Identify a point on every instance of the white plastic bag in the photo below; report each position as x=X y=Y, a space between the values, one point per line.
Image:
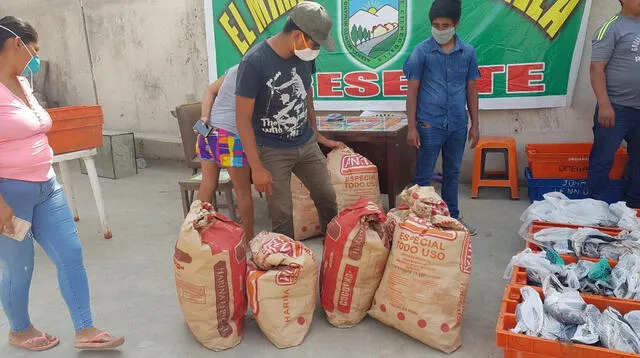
x=587 y=333
x=536 y=263
x=529 y=313
x=564 y=304
x=633 y=318
x=616 y=333
x=628 y=218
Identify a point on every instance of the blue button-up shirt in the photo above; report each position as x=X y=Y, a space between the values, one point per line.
x=442 y=98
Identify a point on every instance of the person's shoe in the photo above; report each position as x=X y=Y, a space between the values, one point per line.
x=472 y=230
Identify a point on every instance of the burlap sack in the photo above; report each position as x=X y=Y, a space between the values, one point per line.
x=210 y=267
x=355 y=253
x=282 y=288
x=353 y=177
x=424 y=287
x=306 y=222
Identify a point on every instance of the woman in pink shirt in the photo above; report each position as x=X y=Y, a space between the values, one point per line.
x=29 y=192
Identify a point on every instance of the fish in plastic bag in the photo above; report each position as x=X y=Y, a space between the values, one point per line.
x=529 y=313
x=616 y=333
x=564 y=304
x=633 y=318
x=554 y=330
x=536 y=263
x=556 y=237
x=624 y=277
x=587 y=333
x=570 y=277
x=628 y=218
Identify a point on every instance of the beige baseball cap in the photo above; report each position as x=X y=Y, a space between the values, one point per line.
x=314 y=20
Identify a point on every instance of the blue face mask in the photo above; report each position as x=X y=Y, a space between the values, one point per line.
x=33 y=66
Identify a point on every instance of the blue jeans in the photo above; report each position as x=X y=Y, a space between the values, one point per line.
x=451 y=143
x=45 y=206
x=605 y=143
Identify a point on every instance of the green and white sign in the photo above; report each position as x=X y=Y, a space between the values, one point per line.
x=528 y=50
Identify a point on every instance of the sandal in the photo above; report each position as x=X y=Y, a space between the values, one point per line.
x=101 y=341
x=38 y=344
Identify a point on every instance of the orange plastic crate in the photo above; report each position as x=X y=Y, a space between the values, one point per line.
x=75 y=128
x=523 y=346
x=568 y=161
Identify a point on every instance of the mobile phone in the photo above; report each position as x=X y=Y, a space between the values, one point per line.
x=202 y=128
x=20 y=227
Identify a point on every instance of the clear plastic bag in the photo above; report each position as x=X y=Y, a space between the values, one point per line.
x=624 y=277
x=633 y=318
x=529 y=313
x=628 y=218
x=536 y=263
x=616 y=333
x=587 y=333
x=564 y=304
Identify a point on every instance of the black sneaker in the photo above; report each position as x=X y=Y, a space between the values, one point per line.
x=472 y=230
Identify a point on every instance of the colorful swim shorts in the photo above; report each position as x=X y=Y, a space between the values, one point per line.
x=222 y=148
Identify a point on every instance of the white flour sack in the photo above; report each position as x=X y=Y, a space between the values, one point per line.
x=424 y=286
x=353 y=177
x=210 y=268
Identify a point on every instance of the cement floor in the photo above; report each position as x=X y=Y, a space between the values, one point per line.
x=133 y=292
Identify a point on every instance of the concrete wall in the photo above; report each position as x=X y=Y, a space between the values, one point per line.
x=149 y=56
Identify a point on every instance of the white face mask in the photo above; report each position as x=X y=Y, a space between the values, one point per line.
x=443 y=36
x=306 y=54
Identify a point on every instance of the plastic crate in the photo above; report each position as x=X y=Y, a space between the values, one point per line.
x=568 y=160
x=539 y=225
x=572 y=188
x=523 y=346
x=75 y=128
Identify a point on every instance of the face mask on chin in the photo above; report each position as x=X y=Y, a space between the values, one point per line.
x=306 y=54
x=443 y=36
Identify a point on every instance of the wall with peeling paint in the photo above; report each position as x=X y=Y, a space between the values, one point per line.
x=150 y=55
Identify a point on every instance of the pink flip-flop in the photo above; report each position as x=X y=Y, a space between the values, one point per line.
x=34 y=344
x=101 y=341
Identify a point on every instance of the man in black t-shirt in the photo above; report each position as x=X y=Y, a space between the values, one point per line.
x=276 y=119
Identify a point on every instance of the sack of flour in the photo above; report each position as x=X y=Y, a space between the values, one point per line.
x=353 y=177
x=306 y=222
x=282 y=288
x=210 y=268
x=355 y=254
x=424 y=287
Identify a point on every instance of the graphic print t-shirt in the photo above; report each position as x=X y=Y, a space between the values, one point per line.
x=279 y=87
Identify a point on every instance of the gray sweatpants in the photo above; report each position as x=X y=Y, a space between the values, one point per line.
x=310 y=165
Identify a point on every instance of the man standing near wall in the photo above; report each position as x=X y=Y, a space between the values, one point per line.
x=276 y=117
x=442 y=73
x=615 y=78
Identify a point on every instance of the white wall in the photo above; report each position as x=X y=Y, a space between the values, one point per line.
x=150 y=55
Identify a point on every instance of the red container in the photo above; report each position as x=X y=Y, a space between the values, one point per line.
x=75 y=128
x=568 y=161
x=522 y=346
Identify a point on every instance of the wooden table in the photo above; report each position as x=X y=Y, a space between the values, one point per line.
x=383 y=140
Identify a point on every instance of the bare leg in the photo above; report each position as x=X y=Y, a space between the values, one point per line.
x=209 y=185
x=241 y=179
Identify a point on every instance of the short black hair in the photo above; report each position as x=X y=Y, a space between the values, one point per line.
x=23 y=29
x=290 y=27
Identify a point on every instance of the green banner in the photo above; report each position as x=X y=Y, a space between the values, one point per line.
x=528 y=50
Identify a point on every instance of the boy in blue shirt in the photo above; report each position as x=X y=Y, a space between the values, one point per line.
x=442 y=73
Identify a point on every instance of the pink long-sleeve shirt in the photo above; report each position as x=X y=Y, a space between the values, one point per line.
x=25 y=153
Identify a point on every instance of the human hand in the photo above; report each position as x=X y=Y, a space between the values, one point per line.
x=474 y=136
x=6 y=218
x=607 y=116
x=262 y=180
x=413 y=138
x=331 y=144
